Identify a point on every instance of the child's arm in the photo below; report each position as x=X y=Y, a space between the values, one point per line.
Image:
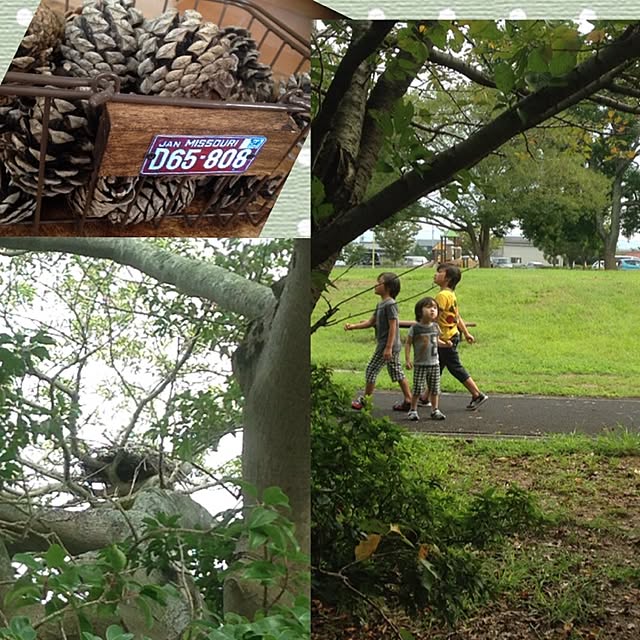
x=364 y=324
x=387 y=354
x=444 y=343
x=462 y=327
x=407 y=352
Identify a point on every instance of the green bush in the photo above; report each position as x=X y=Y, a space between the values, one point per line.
x=382 y=527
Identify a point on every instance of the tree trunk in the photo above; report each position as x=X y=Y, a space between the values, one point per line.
x=611 y=235
x=272 y=366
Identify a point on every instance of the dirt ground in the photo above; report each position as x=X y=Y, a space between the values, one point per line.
x=587 y=582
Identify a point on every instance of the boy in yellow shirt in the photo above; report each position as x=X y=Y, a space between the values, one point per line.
x=451 y=324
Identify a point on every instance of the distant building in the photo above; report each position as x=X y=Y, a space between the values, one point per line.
x=521 y=251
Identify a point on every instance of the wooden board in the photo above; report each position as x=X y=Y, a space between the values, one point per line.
x=133 y=126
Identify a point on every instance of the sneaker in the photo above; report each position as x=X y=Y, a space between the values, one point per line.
x=413 y=415
x=402 y=406
x=358 y=403
x=436 y=414
x=425 y=402
x=477 y=401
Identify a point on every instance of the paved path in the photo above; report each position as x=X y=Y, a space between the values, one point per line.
x=518 y=415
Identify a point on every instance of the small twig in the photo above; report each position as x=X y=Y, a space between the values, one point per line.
x=366 y=598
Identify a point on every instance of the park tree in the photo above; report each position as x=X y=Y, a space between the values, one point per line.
x=613 y=154
x=123 y=364
x=396 y=237
x=536 y=70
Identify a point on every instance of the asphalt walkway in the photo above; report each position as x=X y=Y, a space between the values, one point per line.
x=517 y=415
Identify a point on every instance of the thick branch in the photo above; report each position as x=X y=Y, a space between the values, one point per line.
x=582 y=82
x=82 y=531
x=455 y=64
x=357 y=52
x=389 y=89
x=190 y=277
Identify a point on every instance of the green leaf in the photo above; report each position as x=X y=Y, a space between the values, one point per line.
x=22 y=596
x=536 y=62
x=114 y=632
x=504 y=77
x=114 y=557
x=562 y=62
x=145 y=607
x=55 y=557
x=275 y=497
x=28 y=560
x=261 y=516
x=264 y=571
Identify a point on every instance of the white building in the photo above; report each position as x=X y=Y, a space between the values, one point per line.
x=521 y=251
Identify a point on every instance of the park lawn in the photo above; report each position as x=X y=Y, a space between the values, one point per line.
x=577 y=576
x=539 y=331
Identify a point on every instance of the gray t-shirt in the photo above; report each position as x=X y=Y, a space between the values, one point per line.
x=425 y=343
x=387 y=310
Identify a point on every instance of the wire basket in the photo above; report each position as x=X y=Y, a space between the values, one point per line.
x=124 y=125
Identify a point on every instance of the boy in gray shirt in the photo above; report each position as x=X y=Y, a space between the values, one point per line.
x=388 y=345
x=424 y=336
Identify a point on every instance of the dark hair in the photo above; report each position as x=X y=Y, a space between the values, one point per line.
x=454 y=275
x=391 y=283
x=424 y=302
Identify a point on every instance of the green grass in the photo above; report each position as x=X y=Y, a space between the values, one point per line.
x=539 y=331
x=564 y=571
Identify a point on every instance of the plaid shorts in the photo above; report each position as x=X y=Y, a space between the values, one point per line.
x=377 y=362
x=426 y=376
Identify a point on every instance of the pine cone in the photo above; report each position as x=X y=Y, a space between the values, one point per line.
x=69 y=150
x=15 y=204
x=113 y=197
x=184 y=56
x=41 y=40
x=255 y=81
x=237 y=189
x=102 y=38
x=298 y=88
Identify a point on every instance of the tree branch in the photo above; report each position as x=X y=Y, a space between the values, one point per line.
x=82 y=531
x=191 y=277
x=358 y=51
x=582 y=82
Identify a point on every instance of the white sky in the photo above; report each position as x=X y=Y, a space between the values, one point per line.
x=97 y=373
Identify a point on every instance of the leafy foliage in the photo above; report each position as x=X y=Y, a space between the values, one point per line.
x=17 y=430
x=416 y=542
x=115 y=577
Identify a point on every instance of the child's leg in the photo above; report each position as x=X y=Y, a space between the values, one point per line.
x=450 y=358
x=397 y=375
x=404 y=386
x=374 y=367
x=419 y=385
x=433 y=386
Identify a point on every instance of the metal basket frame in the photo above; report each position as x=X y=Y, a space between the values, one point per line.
x=101 y=89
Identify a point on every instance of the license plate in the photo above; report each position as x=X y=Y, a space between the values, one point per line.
x=179 y=155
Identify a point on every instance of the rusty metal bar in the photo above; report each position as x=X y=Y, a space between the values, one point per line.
x=44 y=141
x=222 y=14
x=280 y=50
x=99 y=148
x=133 y=98
x=158 y=219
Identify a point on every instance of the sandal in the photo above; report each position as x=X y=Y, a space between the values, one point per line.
x=402 y=406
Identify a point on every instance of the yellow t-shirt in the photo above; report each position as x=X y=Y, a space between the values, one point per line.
x=448 y=316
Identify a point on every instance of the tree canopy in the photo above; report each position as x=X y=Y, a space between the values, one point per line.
x=382 y=87
x=124 y=362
